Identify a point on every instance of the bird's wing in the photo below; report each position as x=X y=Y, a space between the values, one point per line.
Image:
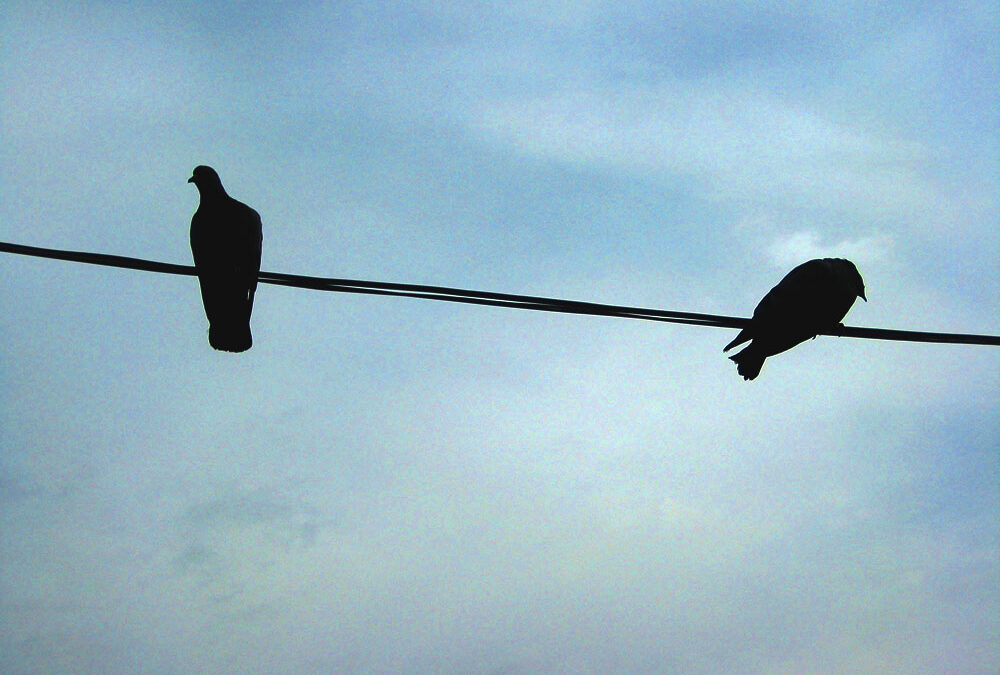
x=254 y=246
x=198 y=240
x=741 y=337
x=789 y=300
x=796 y=295
x=243 y=246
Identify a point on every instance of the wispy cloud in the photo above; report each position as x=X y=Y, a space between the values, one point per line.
x=791 y=249
x=221 y=537
x=737 y=142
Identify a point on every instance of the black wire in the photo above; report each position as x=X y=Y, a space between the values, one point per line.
x=581 y=307
x=529 y=302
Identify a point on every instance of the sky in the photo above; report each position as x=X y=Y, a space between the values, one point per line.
x=389 y=485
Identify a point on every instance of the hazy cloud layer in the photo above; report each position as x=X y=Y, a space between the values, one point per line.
x=391 y=485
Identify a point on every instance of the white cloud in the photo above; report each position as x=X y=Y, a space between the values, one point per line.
x=793 y=248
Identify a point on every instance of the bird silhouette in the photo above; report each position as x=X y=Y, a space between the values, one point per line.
x=811 y=299
x=226 y=244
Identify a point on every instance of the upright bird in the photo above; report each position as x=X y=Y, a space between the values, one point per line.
x=811 y=299
x=226 y=243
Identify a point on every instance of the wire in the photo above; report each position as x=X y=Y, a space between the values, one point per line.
x=529 y=302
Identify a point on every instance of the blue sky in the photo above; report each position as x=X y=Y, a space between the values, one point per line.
x=392 y=485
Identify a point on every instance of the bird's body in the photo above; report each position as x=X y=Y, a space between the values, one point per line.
x=811 y=299
x=226 y=244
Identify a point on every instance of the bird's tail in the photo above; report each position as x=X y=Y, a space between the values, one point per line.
x=230 y=336
x=748 y=362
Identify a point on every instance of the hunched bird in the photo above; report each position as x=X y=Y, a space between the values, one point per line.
x=226 y=243
x=811 y=299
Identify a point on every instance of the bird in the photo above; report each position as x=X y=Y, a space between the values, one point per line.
x=226 y=239
x=811 y=299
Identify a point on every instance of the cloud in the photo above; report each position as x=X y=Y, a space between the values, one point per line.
x=791 y=249
x=737 y=142
x=226 y=538
x=397 y=486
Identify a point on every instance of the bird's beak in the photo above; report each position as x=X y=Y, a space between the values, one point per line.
x=191 y=179
x=862 y=296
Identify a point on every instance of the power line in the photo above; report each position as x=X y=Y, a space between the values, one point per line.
x=529 y=302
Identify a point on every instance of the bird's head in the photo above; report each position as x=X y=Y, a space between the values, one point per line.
x=853 y=277
x=205 y=179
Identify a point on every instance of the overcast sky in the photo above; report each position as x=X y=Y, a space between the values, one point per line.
x=387 y=485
